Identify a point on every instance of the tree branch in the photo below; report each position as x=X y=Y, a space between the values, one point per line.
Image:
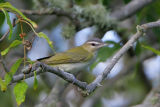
x=52 y=11
x=130 y=9
x=140 y=30
x=83 y=85
x=41 y=67
x=119 y=14
x=127 y=69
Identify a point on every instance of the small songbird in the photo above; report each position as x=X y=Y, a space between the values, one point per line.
x=76 y=58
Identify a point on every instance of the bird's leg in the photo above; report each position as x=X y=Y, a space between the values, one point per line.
x=99 y=85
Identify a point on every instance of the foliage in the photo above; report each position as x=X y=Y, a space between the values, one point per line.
x=151 y=49
x=22 y=18
x=35 y=81
x=19 y=91
x=9 y=75
x=8 y=22
x=9 y=7
x=148 y=15
x=42 y=35
x=21 y=87
x=12 y=45
x=105 y=53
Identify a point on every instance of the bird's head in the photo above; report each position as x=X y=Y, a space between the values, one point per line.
x=93 y=45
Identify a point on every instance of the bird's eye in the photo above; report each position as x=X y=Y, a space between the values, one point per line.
x=93 y=44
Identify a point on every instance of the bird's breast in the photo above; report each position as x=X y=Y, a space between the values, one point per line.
x=72 y=66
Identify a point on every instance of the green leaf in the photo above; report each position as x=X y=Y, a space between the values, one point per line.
x=3 y=86
x=42 y=35
x=35 y=81
x=8 y=77
x=151 y=49
x=19 y=91
x=8 y=22
x=15 y=66
x=13 y=44
x=9 y=7
x=106 y=52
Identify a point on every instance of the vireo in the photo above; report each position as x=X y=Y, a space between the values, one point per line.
x=76 y=58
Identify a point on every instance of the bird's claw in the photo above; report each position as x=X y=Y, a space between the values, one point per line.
x=27 y=69
x=99 y=85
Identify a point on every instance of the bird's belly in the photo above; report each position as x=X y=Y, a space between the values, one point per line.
x=72 y=67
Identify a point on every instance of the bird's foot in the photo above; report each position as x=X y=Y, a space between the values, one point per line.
x=99 y=85
x=27 y=69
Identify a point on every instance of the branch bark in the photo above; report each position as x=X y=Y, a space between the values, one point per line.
x=53 y=11
x=120 y=14
x=130 y=9
x=41 y=67
x=140 y=30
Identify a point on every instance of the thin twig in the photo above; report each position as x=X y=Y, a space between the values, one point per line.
x=55 y=11
x=5 y=35
x=52 y=11
x=3 y=63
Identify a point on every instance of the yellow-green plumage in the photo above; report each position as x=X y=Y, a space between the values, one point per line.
x=69 y=56
x=76 y=58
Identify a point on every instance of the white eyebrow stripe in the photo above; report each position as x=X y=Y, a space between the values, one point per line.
x=94 y=42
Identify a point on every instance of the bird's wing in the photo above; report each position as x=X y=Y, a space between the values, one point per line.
x=68 y=57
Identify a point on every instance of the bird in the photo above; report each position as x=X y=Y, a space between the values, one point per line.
x=76 y=58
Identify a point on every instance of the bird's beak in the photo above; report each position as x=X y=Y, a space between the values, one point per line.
x=103 y=45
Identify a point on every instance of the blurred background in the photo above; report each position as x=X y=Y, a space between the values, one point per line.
x=70 y=23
